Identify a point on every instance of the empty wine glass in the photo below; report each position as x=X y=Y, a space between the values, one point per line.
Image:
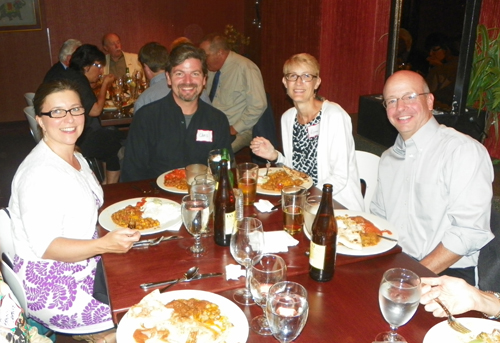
x=267 y=271
x=398 y=298
x=287 y=310
x=247 y=244
x=118 y=101
x=194 y=211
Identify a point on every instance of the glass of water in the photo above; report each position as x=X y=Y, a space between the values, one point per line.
x=194 y=211
x=287 y=310
x=398 y=298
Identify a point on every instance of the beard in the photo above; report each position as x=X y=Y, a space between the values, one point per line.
x=192 y=96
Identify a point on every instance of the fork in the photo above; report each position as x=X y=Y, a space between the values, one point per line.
x=153 y=242
x=452 y=321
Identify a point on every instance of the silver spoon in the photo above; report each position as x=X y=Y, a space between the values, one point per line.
x=191 y=273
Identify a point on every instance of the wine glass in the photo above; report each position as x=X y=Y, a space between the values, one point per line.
x=287 y=310
x=195 y=211
x=247 y=244
x=118 y=101
x=398 y=298
x=265 y=273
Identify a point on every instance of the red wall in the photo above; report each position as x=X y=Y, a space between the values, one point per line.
x=25 y=56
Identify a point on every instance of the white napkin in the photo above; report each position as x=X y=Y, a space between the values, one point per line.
x=234 y=271
x=278 y=241
x=263 y=205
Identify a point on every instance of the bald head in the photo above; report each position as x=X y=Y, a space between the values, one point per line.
x=111 y=44
x=411 y=105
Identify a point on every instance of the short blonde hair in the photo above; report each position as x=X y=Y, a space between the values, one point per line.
x=302 y=58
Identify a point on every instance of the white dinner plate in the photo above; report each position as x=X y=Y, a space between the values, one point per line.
x=110 y=106
x=262 y=171
x=173 y=224
x=238 y=334
x=160 y=182
x=442 y=332
x=380 y=223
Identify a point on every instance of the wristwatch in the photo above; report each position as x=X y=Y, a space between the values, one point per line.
x=497 y=316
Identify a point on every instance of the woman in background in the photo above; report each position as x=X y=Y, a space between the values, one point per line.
x=317 y=135
x=53 y=206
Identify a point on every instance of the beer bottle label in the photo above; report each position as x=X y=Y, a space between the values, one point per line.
x=317 y=255
x=229 y=223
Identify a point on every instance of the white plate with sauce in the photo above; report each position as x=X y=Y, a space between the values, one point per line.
x=172 y=224
x=238 y=333
x=442 y=332
x=160 y=181
x=262 y=171
x=382 y=224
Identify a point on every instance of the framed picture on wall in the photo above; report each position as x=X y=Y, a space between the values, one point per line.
x=19 y=15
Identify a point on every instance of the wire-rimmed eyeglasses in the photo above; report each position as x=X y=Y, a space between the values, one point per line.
x=407 y=99
x=61 y=113
x=98 y=65
x=304 y=77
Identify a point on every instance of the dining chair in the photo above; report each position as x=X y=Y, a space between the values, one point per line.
x=488 y=265
x=368 y=174
x=29 y=112
x=29 y=98
x=265 y=127
x=6 y=241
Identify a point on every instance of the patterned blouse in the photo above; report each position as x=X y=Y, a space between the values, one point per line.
x=305 y=149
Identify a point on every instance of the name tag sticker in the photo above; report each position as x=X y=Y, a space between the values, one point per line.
x=313 y=131
x=204 y=136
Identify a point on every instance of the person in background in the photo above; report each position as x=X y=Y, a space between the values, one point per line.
x=154 y=59
x=316 y=133
x=235 y=87
x=67 y=49
x=117 y=61
x=54 y=206
x=85 y=69
x=178 y=129
x=443 y=61
x=459 y=297
x=180 y=41
x=434 y=183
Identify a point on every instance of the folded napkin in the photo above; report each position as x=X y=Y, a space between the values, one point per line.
x=234 y=271
x=278 y=241
x=263 y=205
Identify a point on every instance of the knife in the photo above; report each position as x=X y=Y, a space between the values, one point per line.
x=146 y=286
x=388 y=238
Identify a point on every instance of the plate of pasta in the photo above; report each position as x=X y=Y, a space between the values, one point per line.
x=482 y=331
x=279 y=178
x=148 y=215
x=173 y=181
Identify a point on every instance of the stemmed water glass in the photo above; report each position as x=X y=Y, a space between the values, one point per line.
x=269 y=270
x=247 y=244
x=398 y=298
x=118 y=101
x=287 y=310
x=194 y=212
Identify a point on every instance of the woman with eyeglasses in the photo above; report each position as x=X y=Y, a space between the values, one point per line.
x=53 y=207
x=85 y=69
x=316 y=133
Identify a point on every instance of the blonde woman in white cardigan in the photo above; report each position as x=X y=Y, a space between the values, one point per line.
x=317 y=135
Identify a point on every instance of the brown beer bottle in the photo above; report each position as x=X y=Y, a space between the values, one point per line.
x=323 y=250
x=224 y=207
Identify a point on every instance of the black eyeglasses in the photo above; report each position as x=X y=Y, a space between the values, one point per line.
x=61 y=113
x=304 y=77
x=98 y=65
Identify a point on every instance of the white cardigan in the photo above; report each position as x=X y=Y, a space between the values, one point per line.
x=336 y=156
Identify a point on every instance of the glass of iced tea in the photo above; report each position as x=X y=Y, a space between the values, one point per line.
x=247 y=174
x=292 y=202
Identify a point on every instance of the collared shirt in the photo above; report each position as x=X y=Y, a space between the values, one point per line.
x=158 y=140
x=240 y=94
x=436 y=187
x=118 y=68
